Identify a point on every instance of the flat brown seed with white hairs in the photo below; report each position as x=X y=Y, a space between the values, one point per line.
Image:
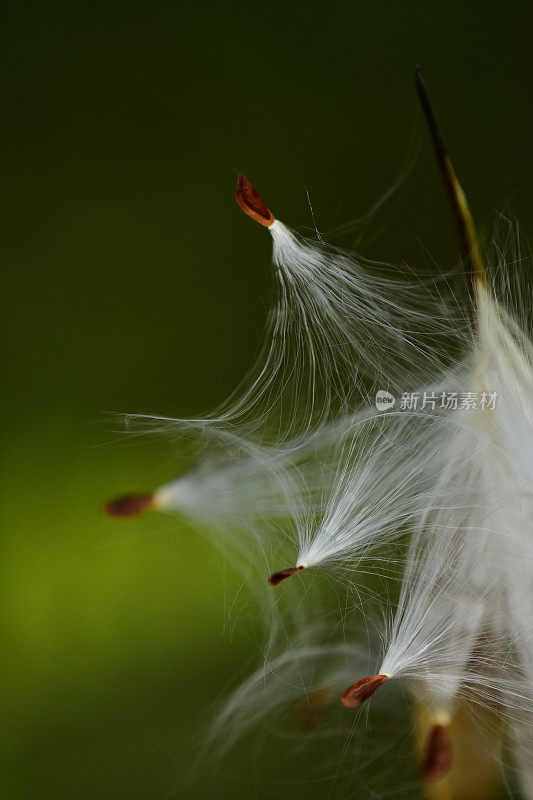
x=252 y=203
x=438 y=755
x=130 y=505
x=278 y=577
x=358 y=692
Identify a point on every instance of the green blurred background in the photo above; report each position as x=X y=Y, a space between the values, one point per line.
x=133 y=283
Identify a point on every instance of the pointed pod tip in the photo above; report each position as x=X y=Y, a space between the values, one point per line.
x=422 y=89
x=356 y=694
x=130 y=505
x=466 y=230
x=438 y=753
x=277 y=577
x=251 y=202
x=419 y=80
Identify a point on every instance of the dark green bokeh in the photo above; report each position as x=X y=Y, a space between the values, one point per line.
x=132 y=282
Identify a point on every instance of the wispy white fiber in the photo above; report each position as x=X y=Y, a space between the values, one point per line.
x=340 y=327
x=299 y=470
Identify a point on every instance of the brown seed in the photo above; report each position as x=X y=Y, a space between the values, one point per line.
x=251 y=202
x=357 y=693
x=277 y=577
x=312 y=708
x=130 y=506
x=438 y=756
